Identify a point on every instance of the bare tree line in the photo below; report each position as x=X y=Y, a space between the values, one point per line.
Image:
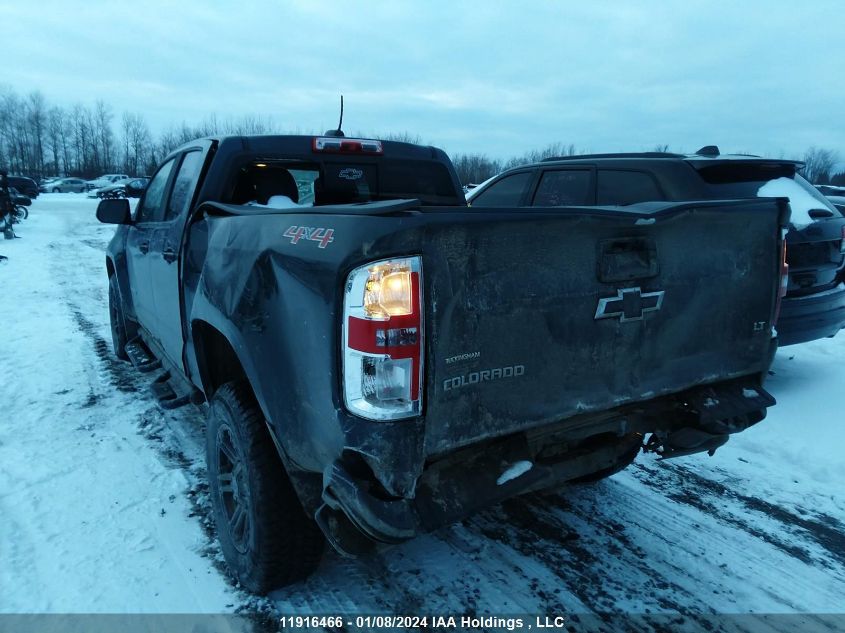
x=476 y=168
x=819 y=164
x=39 y=140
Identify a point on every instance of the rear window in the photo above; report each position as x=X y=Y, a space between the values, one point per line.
x=415 y=179
x=730 y=181
x=391 y=179
x=342 y=183
x=348 y=181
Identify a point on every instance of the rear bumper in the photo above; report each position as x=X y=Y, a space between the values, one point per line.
x=358 y=511
x=450 y=491
x=811 y=317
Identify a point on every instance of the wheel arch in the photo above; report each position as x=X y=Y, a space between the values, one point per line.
x=218 y=363
x=216 y=359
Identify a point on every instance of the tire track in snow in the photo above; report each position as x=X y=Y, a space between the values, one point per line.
x=173 y=435
x=691 y=488
x=589 y=553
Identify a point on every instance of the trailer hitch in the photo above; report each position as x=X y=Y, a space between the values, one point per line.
x=684 y=441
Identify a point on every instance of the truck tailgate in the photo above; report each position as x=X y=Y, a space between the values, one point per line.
x=534 y=319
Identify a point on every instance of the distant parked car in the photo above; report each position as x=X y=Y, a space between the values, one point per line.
x=136 y=187
x=63 y=185
x=105 y=180
x=25 y=185
x=114 y=190
x=128 y=188
x=18 y=198
x=95 y=193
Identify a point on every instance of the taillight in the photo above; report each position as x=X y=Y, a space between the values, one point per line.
x=383 y=338
x=784 y=277
x=342 y=145
x=842 y=243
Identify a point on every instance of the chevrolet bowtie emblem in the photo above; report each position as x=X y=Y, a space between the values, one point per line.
x=629 y=304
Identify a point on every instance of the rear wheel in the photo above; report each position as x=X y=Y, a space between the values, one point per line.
x=56 y=190
x=266 y=537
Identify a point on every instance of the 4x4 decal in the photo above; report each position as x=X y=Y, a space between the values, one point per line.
x=318 y=234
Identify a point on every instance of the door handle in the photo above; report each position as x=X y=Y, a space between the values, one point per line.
x=628 y=258
x=144 y=247
x=169 y=254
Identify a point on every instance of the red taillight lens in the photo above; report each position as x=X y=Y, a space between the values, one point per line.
x=382 y=338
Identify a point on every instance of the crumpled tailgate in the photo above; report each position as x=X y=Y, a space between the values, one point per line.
x=535 y=319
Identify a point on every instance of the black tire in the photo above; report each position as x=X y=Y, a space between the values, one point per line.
x=56 y=190
x=22 y=212
x=266 y=537
x=117 y=317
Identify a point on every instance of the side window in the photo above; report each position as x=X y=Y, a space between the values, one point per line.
x=184 y=185
x=507 y=192
x=152 y=208
x=626 y=187
x=563 y=187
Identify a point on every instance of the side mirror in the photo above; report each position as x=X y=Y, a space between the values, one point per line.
x=114 y=211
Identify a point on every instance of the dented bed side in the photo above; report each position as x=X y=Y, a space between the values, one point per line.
x=531 y=319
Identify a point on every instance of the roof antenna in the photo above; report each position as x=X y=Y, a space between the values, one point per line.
x=338 y=131
x=708 y=150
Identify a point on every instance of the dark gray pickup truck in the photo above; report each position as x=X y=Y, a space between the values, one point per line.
x=378 y=359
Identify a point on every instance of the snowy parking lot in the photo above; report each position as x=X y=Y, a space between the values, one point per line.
x=103 y=507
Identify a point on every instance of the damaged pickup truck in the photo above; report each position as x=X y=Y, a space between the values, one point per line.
x=377 y=359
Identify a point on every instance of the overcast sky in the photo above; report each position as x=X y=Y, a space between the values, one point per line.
x=493 y=77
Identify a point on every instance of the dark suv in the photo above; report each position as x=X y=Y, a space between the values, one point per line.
x=814 y=306
x=25 y=185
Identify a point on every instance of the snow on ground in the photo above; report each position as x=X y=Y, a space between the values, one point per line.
x=92 y=518
x=103 y=507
